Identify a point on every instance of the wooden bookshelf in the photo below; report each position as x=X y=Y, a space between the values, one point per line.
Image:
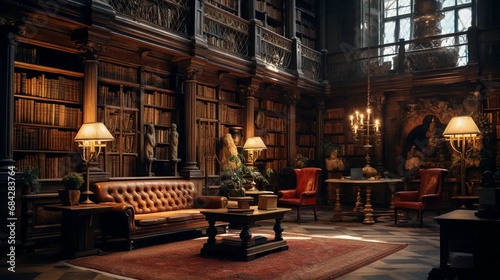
x=306 y=22
x=271 y=14
x=118 y=108
x=273 y=133
x=47 y=110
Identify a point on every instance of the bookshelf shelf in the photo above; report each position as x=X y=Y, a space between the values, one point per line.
x=47 y=110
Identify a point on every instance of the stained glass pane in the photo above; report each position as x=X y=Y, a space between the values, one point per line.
x=405 y=28
x=404 y=7
x=389 y=29
x=390 y=8
x=448 y=22
x=464 y=19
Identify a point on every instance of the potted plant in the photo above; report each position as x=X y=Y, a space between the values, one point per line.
x=238 y=174
x=301 y=161
x=72 y=182
x=30 y=176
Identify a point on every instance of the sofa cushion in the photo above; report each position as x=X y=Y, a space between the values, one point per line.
x=179 y=218
x=150 y=222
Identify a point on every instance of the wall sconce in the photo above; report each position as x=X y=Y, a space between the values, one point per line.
x=254 y=146
x=91 y=138
x=462 y=133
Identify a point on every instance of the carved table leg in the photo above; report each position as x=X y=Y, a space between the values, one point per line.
x=245 y=236
x=211 y=232
x=368 y=207
x=337 y=212
x=278 y=230
x=358 y=207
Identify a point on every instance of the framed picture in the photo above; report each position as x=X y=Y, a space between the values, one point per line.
x=260 y=119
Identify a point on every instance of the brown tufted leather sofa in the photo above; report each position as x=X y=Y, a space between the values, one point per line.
x=148 y=208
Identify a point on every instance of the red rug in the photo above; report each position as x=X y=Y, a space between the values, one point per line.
x=306 y=258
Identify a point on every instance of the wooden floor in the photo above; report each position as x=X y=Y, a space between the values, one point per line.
x=414 y=262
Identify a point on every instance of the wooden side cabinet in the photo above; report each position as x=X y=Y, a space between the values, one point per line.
x=77 y=228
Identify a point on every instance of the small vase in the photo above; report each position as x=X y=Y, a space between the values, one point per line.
x=69 y=197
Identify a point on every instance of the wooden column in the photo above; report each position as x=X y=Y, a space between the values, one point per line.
x=291 y=98
x=190 y=167
x=90 y=90
x=7 y=51
x=249 y=92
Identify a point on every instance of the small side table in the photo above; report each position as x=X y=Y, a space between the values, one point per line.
x=77 y=228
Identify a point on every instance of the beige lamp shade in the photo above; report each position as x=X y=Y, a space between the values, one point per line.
x=254 y=144
x=93 y=131
x=463 y=126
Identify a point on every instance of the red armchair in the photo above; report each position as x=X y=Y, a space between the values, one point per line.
x=428 y=196
x=304 y=195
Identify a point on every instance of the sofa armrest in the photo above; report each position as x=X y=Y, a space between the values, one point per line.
x=210 y=202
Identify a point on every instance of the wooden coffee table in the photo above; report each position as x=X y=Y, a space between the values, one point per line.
x=246 y=248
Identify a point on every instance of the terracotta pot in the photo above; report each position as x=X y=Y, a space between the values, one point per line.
x=69 y=197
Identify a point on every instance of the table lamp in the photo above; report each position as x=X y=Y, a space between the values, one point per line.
x=91 y=138
x=459 y=131
x=254 y=146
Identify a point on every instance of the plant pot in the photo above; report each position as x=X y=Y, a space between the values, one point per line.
x=69 y=197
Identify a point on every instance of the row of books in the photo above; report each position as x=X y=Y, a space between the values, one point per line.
x=493 y=101
x=152 y=79
x=117 y=97
x=34 y=112
x=118 y=166
x=29 y=55
x=117 y=120
x=334 y=113
x=206 y=110
x=272 y=11
x=275 y=139
x=159 y=99
x=334 y=138
x=276 y=165
x=231 y=115
x=32 y=138
x=51 y=166
x=202 y=90
x=307 y=140
x=117 y=72
x=62 y=88
x=162 y=152
x=157 y=116
x=274 y=152
x=206 y=146
x=337 y=127
x=275 y=124
x=274 y=106
x=493 y=117
x=227 y=96
x=162 y=135
x=233 y=4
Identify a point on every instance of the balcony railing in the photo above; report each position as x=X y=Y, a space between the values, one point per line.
x=231 y=33
x=173 y=15
x=431 y=53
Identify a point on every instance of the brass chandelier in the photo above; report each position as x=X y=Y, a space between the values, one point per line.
x=366 y=130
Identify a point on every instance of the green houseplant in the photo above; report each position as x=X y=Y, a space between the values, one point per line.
x=30 y=176
x=238 y=174
x=72 y=182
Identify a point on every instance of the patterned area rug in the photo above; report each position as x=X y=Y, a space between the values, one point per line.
x=307 y=258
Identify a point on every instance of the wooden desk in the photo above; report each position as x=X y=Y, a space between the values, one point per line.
x=482 y=235
x=358 y=207
x=77 y=228
x=245 y=250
